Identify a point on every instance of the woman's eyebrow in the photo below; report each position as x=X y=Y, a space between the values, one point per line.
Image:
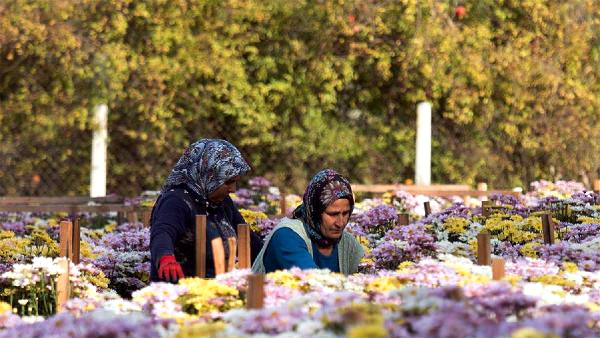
x=338 y=211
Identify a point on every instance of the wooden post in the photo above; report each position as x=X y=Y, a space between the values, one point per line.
x=403 y=219
x=201 y=246
x=76 y=242
x=485 y=208
x=132 y=217
x=62 y=285
x=256 y=291
x=427 y=208
x=146 y=216
x=120 y=217
x=218 y=251
x=243 y=232
x=99 y=157
x=498 y=270
x=596 y=185
x=282 y=205
x=423 y=144
x=483 y=248
x=232 y=253
x=547 y=229
x=66 y=239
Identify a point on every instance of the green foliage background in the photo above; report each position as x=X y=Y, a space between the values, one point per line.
x=298 y=86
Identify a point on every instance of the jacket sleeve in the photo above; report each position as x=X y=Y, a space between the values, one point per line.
x=287 y=250
x=168 y=224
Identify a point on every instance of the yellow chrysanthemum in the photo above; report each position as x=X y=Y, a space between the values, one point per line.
x=367 y=331
x=4 y=234
x=252 y=218
x=588 y=220
x=202 y=293
x=553 y=280
x=473 y=245
x=593 y=307
x=530 y=249
x=366 y=320
x=469 y=277
x=200 y=330
x=5 y=307
x=99 y=279
x=405 y=265
x=513 y=279
x=570 y=267
x=528 y=332
x=456 y=225
x=12 y=247
x=384 y=284
x=86 y=250
x=284 y=278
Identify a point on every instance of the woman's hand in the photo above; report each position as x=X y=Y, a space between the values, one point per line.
x=169 y=269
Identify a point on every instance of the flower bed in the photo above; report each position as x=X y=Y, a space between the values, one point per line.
x=417 y=280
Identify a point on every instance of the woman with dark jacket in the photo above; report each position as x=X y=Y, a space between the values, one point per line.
x=200 y=183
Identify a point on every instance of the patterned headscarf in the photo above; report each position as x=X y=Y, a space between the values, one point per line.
x=206 y=165
x=326 y=187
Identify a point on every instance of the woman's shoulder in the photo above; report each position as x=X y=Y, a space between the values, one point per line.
x=289 y=223
x=288 y=226
x=284 y=234
x=176 y=199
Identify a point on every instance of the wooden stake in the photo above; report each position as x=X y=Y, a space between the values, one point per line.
x=218 y=252
x=427 y=208
x=256 y=291
x=403 y=219
x=547 y=229
x=146 y=216
x=132 y=217
x=483 y=248
x=243 y=232
x=75 y=255
x=498 y=268
x=232 y=253
x=62 y=285
x=282 y=206
x=596 y=185
x=120 y=217
x=201 y=246
x=66 y=239
x=485 y=208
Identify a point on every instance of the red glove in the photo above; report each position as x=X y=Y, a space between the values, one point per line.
x=169 y=269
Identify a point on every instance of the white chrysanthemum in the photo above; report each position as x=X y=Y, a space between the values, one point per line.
x=121 y=306
x=547 y=294
x=309 y=328
x=44 y=263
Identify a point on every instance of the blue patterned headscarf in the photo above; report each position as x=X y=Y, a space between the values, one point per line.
x=324 y=188
x=206 y=165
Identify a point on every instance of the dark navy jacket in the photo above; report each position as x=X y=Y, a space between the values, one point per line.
x=173 y=229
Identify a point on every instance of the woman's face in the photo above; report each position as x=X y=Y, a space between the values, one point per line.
x=229 y=187
x=335 y=218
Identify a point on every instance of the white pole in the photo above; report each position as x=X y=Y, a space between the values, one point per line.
x=423 y=154
x=99 y=148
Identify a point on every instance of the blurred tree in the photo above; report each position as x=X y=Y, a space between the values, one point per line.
x=299 y=86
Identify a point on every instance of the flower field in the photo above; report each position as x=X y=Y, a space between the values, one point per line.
x=417 y=280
